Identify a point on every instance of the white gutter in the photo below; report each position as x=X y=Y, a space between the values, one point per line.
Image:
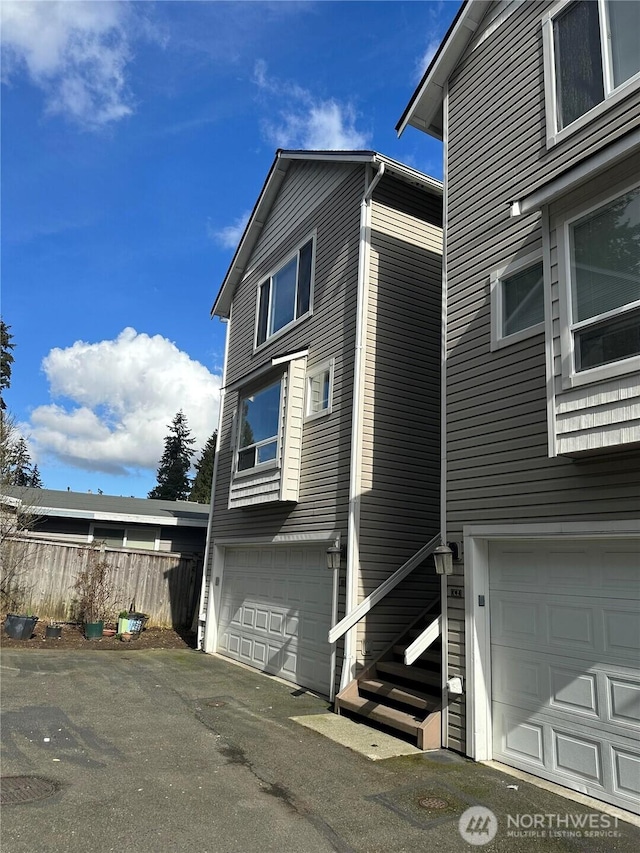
x=355 y=487
x=208 y=621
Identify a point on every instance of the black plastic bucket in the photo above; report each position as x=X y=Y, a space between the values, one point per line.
x=19 y=627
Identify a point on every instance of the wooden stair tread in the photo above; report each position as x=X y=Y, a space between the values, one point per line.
x=404 y=695
x=409 y=673
x=391 y=717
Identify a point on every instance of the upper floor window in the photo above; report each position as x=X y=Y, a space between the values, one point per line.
x=259 y=428
x=320 y=389
x=285 y=296
x=591 y=55
x=517 y=301
x=604 y=280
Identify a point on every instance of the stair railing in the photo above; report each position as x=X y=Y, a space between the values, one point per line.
x=422 y=643
x=359 y=612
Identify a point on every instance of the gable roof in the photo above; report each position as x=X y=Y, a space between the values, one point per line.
x=424 y=110
x=50 y=502
x=269 y=193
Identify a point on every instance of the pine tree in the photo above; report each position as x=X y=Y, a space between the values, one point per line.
x=201 y=489
x=6 y=360
x=173 y=472
x=35 y=481
x=20 y=464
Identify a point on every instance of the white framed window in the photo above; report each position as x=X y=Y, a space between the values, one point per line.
x=259 y=422
x=517 y=301
x=320 y=390
x=600 y=288
x=591 y=60
x=285 y=296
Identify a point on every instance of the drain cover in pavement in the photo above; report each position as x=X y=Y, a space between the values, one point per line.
x=432 y=803
x=25 y=789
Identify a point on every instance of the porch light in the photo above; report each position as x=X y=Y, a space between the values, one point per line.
x=334 y=556
x=443 y=557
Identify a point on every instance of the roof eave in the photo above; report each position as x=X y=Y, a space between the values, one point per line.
x=425 y=106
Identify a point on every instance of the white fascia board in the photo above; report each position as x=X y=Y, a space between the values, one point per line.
x=426 y=101
x=130 y=518
x=577 y=175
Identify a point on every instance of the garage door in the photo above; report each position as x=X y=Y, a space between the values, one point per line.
x=276 y=610
x=565 y=648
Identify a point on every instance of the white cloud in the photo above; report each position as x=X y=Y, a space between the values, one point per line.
x=123 y=395
x=76 y=52
x=305 y=121
x=425 y=60
x=229 y=236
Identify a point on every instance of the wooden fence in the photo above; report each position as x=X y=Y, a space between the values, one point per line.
x=164 y=585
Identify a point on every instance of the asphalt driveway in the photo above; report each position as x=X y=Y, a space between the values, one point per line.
x=179 y=751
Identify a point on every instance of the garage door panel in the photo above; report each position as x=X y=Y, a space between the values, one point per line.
x=276 y=612
x=565 y=645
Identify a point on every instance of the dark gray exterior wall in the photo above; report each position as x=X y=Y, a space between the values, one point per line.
x=498 y=469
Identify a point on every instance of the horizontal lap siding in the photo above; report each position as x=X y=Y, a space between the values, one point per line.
x=498 y=469
x=332 y=208
x=400 y=473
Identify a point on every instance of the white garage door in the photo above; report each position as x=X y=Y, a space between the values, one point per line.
x=275 y=612
x=565 y=649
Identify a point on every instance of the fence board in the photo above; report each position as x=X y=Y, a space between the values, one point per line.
x=163 y=585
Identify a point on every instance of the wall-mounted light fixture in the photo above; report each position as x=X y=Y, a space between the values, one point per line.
x=334 y=555
x=443 y=557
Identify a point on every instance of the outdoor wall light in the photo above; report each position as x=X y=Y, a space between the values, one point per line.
x=334 y=556
x=443 y=557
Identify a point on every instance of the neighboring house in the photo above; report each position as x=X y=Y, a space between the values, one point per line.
x=129 y=523
x=329 y=429
x=538 y=106
x=155 y=549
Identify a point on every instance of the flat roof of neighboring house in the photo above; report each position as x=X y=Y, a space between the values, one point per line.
x=269 y=192
x=86 y=505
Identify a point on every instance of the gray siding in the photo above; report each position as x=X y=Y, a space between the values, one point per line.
x=498 y=469
x=400 y=474
x=332 y=210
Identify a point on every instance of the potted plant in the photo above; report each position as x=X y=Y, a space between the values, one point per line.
x=123 y=622
x=53 y=631
x=95 y=594
x=20 y=627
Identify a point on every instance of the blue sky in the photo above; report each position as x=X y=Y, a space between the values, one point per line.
x=135 y=140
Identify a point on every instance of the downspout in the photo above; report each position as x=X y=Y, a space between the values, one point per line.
x=444 y=717
x=353 y=544
x=208 y=621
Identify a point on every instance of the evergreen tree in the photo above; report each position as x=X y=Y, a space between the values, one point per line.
x=35 y=480
x=6 y=360
x=201 y=489
x=20 y=464
x=173 y=472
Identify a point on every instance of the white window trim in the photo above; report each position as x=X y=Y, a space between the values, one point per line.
x=498 y=340
x=611 y=96
x=570 y=377
x=324 y=366
x=274 y=271
x=270 y=464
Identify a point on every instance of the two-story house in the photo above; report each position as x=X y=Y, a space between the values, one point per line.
x=538 y=107
x=329 y=430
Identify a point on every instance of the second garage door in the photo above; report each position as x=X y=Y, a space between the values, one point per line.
x=275 y=612
x=565 y=646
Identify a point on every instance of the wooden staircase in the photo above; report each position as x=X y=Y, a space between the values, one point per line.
x=404 y=698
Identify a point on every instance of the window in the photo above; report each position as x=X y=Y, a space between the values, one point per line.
x=127 y=537
x=320 y=390
x=517 y=301
x=113 y=537
x=604 y=282
x=259 y=428
x=591 y=54
x=286 y=295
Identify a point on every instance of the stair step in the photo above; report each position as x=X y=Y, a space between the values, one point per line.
x=409 y=673
x=428 y=656
x=404 y=695
x=400 y=720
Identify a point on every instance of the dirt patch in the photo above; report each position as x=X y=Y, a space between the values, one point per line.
x=73 y=638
